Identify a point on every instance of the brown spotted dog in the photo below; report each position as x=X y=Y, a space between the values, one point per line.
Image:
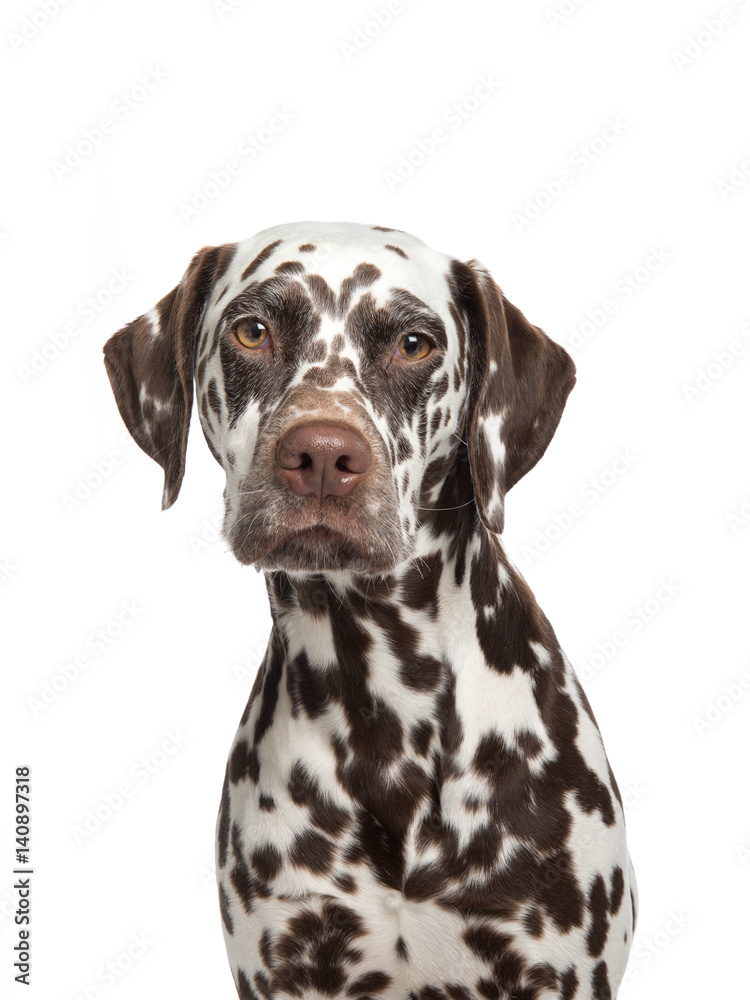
x=417 y=805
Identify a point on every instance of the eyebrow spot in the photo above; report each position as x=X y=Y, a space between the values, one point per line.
x=364 y=275
x=398 y=250
x=262 y=256
x=306 y=247
x=322 y=293
x=290 y=267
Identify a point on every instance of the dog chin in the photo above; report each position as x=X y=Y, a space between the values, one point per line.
x=319 y=550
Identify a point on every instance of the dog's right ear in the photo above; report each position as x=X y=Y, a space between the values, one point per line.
x=150 y=363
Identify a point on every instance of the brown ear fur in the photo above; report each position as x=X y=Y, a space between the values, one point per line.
x=150 y=363
x=520 y=380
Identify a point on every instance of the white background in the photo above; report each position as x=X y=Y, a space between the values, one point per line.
x=676 y=509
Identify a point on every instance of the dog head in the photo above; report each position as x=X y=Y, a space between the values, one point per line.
x=341 y=371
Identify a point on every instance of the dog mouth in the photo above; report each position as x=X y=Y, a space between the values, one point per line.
x=294 y=543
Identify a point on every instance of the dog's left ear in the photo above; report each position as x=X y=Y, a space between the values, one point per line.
x=519 y=382
x=150 y=363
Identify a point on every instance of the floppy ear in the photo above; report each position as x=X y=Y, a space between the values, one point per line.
x=150 y=363
x=519 y=382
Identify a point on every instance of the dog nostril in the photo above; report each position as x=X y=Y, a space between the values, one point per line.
x=322 y=459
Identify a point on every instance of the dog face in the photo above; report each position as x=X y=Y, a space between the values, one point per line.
x=341 y=372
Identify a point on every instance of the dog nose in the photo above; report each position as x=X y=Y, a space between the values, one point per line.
x=322 y=459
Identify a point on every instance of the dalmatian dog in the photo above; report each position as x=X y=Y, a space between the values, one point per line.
x=417 y=804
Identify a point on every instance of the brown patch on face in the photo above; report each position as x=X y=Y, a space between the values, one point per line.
x=224 y=291
x=325 y=378
x=323 y=296
x=384 y=229
x=291 y=267
x=214 y=399
x=364 y=275
x=306 y=247
x=265 y=253
x=316 y=352
x=283 y=303
x=398 y=250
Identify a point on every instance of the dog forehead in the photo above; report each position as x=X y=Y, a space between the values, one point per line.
x=333 y=252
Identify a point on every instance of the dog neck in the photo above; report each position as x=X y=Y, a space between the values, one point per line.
x=456 y=605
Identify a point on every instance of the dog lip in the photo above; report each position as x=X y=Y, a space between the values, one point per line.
x=322 y=534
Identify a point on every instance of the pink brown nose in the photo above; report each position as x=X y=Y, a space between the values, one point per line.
x=322 y=459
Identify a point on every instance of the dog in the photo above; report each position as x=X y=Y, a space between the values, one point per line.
x=417 y=804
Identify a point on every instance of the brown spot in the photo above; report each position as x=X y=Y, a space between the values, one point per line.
x=291 y=267
x=598 y=906
x=312 y=955
x=398 y=250
x=226 y=915
x=266 y=860
x=533 y=922
x=214 y=399
x=371 y=982
x=244 y=763
x=601 y=990
x=346 y=882
x=305 y=791
x=306 y=247
x=253 y=266
x=420 y=737
x=224 y=820
x=568 y=984
x=364 y=275
x=322 y=294
x=312 y=850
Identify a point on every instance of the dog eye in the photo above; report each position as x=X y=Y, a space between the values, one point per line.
x=413 y=347
x=252 y=333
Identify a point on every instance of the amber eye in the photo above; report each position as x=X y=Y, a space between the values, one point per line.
x=413 y=347
x=252 y=333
